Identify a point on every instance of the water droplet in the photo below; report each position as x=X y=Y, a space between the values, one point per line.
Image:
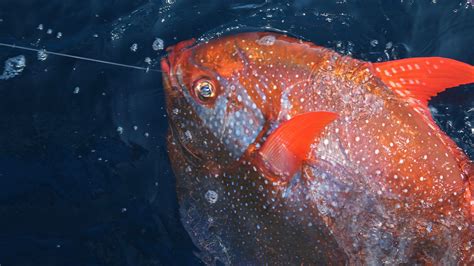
x=134 y=47
x=267 y=40
x=188 y=135
x=42 y=55
x=158 y=44
x=211 y=196
x=13 y=67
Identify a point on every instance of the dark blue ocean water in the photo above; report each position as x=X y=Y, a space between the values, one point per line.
x=84 y=173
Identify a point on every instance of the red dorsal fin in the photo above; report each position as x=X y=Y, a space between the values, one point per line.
x=424 y=77
x=283 y=153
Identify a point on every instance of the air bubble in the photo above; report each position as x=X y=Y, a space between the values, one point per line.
x=13 y=67
x=267 y=40
x=158 y=44
x=211 y=196
x=42 y=55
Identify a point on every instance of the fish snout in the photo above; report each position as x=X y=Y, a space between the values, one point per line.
x=171 y=60
x=174 y=53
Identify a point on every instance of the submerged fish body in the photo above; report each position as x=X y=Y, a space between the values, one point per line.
x=289 y=153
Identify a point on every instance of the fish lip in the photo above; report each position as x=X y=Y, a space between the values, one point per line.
x=175 y=53
x=165 y=65
x=171 y=60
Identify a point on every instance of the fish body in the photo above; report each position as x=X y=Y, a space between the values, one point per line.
x=286 y=152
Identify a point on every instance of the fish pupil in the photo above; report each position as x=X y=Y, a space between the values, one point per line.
x=206 y=91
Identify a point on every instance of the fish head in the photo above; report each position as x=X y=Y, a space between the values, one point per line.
x=213 y=112
x=223 y=103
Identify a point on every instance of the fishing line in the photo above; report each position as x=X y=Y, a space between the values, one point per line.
x=78 y=57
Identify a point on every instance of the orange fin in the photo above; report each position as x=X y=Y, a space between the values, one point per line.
x=424 y=77
x=283 y=153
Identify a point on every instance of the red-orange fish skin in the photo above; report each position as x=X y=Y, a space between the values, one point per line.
x=381 y=184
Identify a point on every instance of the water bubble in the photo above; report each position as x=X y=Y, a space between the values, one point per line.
x=188 y=135
x=158 y=44
x=13 y=67
x=148 y=60
x=267 y=40
x=211 y=196
x=120 y=130
x=42 y=55
x=49 y=31
x=40 y=27
x=76 y=90
x=374 y=43
x=134 y=47
x=59 y=35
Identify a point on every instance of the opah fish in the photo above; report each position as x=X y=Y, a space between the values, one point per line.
x=286 y=152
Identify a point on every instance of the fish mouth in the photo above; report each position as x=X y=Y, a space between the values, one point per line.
x=170 y=62
x=166 y=65
x=175 y=53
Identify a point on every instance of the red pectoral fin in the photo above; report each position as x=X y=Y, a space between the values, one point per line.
x=424 y=77
x=282 y=155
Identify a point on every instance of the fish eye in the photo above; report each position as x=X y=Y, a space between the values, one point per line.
x=204 y=90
